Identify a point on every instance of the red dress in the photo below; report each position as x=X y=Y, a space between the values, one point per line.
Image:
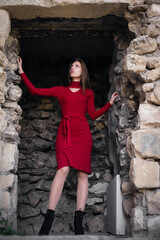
x=74 y=141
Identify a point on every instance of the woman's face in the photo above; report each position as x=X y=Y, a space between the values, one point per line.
x=76 y=70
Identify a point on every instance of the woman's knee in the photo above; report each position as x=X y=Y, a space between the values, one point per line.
x=63 y=172
x=82 y=176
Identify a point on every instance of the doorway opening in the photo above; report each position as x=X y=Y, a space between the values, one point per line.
x=48 y=46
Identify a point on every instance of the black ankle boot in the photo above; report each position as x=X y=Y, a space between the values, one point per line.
x=78 y=226
x=47 y=223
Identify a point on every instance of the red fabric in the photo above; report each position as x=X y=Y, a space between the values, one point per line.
x=74 y=141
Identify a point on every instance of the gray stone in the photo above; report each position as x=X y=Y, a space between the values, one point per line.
x=33 y=198
x=138 y=219
x=27 y=211
x=99 y=188
x=128 y=204
x=153 y=223
x=92 y=201
x=95 y=225
x=153 y=201
x=153 y=30
x=146 y=143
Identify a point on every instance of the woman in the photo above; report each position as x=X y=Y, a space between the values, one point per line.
x=74 y=141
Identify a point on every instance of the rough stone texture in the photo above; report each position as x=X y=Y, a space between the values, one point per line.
x=153 y=202
x=149 y=116
x=14 y=93
x=4 y=27
x=147 y=87
x=99 y=188
x=6 y=181
x=128 y=204
x=156 y=92
x=9 y=156
x=143 y=139
x=138 y=219
x=153 y=11
x=153 y=62
x=135 y=63
x=4 y=201
x=153 y=223
x=3 y=60
x=50 y=9
x=152 y=75
x=142 y=45
x=144 y=174
x=96 y=225
x=150 y=97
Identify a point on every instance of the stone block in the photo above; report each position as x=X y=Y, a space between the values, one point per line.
x=3 y=60
x=151 y=98
x=134 y=63
x=95 y=224
x=144 y=174
x=153 y=224
x=6 y=181
x=142 y=45
x=152 y=75
x=153 y=29
x=14 y=93
x=5 y=27
x=147 y=87
x=128 y=204
x=3 y=121
x=153 y=62
x=158 y=41
x=92 y=201
x=127 y=188
x=13 y=106
x=3 y=78
x=99 y=188
x=146 y=143
x=156 y=92
x=9 y=156
x=149 y=116
x=153 y=11
x=4 y=199
x=153 y=201
x=27 y=211
x=138 y=219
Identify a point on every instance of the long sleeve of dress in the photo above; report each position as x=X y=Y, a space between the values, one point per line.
x=91 y=107
x=44 y=92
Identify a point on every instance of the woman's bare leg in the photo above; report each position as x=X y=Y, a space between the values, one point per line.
x=82 y=190
x=57 y=187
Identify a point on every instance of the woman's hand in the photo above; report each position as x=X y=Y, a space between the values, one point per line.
x=19 y=60
x=113 y=97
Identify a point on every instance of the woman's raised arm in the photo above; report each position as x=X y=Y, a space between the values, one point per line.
x=44 y=92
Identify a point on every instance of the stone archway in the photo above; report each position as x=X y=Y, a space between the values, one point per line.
x=136 y=75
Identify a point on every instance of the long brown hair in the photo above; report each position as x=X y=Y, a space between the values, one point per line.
x=85 y=82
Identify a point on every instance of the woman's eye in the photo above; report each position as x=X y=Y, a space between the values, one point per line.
x=77 y=65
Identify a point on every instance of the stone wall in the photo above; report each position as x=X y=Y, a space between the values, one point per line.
x=141 y=66
x=10 y=113
x=37 y=161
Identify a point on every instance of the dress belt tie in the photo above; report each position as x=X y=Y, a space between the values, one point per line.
x=67 y=129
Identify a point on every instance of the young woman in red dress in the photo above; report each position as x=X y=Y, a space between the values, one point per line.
x=74 y=141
